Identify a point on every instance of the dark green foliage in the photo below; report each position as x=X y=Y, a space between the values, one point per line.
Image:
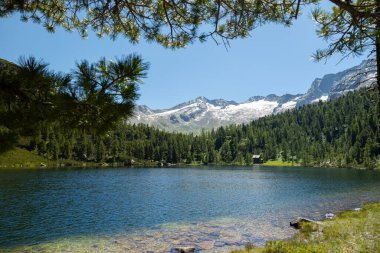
x=341 y=132
x=7 y=139
x=100 y=94
x=27 y=93
x=94 y=97
x=172 y=24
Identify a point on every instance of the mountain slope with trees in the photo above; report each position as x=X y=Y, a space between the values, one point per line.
x=350 y=27
x=341 y=132
x=202 y=113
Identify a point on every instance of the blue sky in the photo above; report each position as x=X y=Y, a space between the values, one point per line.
x=275 y=59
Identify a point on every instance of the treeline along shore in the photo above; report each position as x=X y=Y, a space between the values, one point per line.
x=338 y=133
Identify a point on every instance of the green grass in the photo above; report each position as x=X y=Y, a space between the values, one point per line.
x=279 y=163
x=349 y=232
x=21 y=158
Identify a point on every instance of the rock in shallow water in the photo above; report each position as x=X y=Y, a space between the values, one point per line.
x=297 y=223
x=185 y=249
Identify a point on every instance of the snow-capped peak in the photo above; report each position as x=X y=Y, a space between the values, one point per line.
x=194 y=115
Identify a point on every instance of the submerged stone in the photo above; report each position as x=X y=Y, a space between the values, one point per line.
x=184 y=249
x=206 y=245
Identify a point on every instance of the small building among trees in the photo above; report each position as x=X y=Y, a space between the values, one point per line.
x=257 y=159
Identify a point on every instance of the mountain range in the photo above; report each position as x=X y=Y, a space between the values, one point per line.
x=202 y=113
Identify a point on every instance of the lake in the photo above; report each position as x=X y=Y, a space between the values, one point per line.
x=215 y=209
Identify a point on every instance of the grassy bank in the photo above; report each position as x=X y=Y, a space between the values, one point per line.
x=350 y=231
x=279 y=163
x=18 y=158
x=21 y=158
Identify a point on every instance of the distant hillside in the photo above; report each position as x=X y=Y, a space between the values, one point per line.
x=6 y=67
x=202 y=113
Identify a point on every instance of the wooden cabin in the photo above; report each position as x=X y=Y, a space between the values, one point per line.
x=257 y=159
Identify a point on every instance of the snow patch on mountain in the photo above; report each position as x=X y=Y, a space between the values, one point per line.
x=202 y=113
x=322 y=98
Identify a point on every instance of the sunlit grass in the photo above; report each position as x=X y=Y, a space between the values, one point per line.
x=21 y=158
x=351 y=231
x=279 y=163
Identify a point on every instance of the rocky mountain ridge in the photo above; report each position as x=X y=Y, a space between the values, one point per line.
x=202 y=113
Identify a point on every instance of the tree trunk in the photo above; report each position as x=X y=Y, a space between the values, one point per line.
x=377 y=48
x=378 y=78
x=378 y=56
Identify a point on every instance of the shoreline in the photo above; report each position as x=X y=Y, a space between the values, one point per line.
x=91 y=165
x=344 y=233
x=19 y=158
x=355 y=230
